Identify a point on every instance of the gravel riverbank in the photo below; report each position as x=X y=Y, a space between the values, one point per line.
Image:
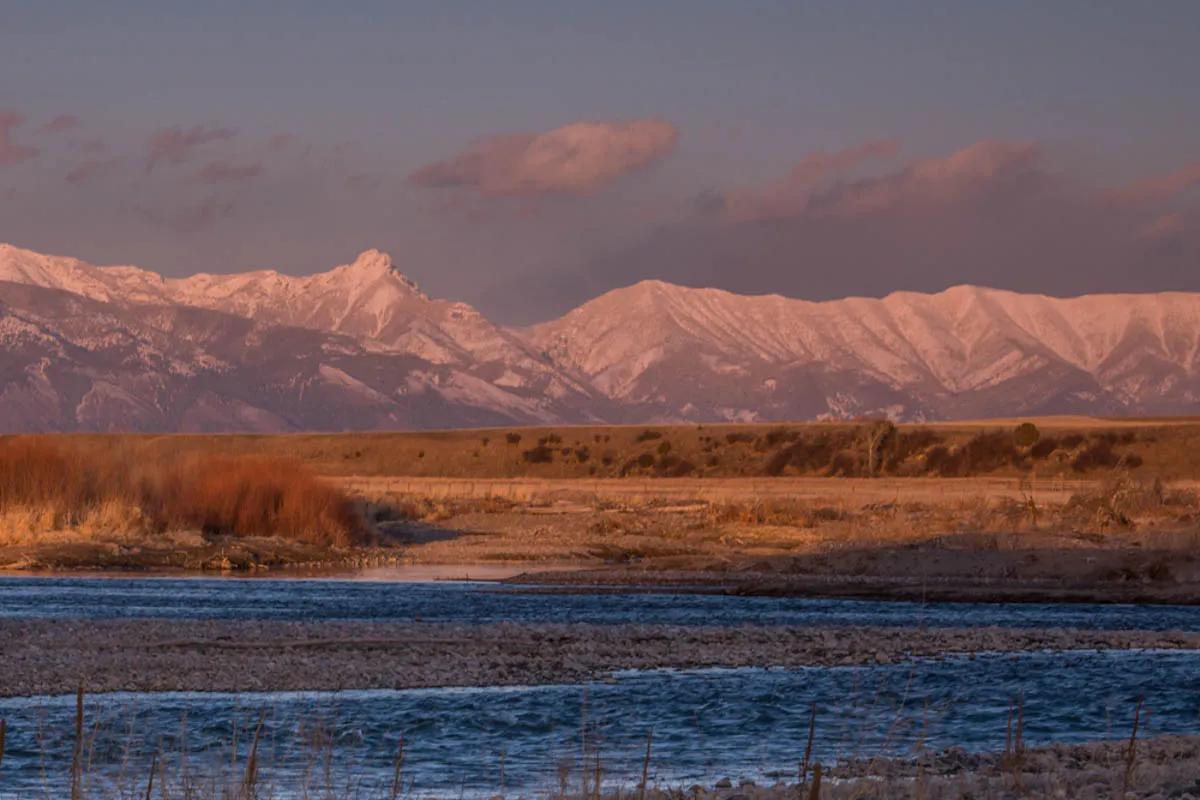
x=58 y=656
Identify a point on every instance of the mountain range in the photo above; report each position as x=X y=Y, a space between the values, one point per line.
x=92 y=348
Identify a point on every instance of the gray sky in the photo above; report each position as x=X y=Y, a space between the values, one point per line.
x=524 y=156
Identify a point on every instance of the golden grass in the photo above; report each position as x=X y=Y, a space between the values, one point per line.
x=1163 y=448
x=94 y=487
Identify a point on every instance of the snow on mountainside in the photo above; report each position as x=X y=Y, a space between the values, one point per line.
x=370 y=301
x=68 y=362
x=706 y=353
x=85 y=347
x=369 y=298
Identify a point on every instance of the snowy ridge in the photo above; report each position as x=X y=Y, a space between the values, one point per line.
x=1134 y=352
x=360 y=346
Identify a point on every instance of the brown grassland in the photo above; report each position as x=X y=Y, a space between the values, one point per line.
x=1066 y=447
x=1107 y=503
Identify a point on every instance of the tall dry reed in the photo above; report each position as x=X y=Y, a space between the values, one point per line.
x=52 y=483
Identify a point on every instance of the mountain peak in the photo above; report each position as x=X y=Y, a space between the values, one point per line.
x=372 y=264
x=372 y=261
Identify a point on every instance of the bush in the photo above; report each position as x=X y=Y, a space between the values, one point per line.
x=675 y=467
x=643 y=462
x=262 y=497
x=538 y=455
x=904 y=445
x=777 y=436
x=1098 y=454
x=1026 y=435
x=983 y=453
x=663 y=448
x=1044 y=448
x=1072 y=440
x=512 y=438
x=987 y=452
x=647 y=435
x=940 y=460
x=69 y=482
x=812 y=455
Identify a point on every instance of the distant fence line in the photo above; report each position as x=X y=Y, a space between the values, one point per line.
x=845 y=491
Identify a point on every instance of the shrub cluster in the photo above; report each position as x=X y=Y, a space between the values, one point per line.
x=67 y=482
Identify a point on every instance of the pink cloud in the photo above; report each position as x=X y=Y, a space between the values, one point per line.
x=10 y=151
x=1164 y=227
x=225 y=172
x=1160 y=188
x=61 y=123
x=977 y=167
x=280 y=141
x=93 y=146
x=572 y=159
x=88 y=169
x=192 y=219
x=362 y=183
x=994 y=213
x=817 y=185
x=789 y=196
x=176 y=145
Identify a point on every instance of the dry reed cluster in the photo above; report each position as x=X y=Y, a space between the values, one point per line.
x=93 y=486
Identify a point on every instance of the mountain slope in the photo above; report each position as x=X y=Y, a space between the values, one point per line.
x=72 y=363
x=704 y=353
x=359 y=346
x=369 y=300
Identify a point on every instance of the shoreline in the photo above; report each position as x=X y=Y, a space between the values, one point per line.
x=586 y=579
x=334 y=571
x=902 y=590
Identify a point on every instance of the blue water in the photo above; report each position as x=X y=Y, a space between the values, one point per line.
x=259 y=598
x=706 y=724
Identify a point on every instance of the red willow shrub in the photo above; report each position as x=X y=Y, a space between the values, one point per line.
x=264 y=497
x=37 y=473
x=238 y=496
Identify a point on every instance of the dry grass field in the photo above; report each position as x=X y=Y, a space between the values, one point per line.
x=1065 y=448
x=1095 y=500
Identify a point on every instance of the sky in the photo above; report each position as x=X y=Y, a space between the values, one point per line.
x=525 y=156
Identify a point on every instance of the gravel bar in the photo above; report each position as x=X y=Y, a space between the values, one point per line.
x=58 y=656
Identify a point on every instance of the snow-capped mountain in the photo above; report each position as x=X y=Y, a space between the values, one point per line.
x=68 y=362
x=103 y=348
x=419 y=362
x=964 y=352
x=369 y=299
